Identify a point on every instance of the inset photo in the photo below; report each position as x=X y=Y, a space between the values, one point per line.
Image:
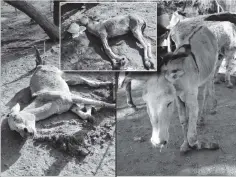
x=108 y=36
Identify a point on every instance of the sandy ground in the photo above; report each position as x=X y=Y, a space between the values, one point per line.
x=85 y=52
x=141 y=158
x=33 y=157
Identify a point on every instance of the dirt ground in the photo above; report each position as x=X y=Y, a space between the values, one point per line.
x=86 y=53
x=19 y=34
x=33 y=157
x=141 y=158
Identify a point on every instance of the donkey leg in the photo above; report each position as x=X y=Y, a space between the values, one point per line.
x=184 y=123
x=212 y=95
x=192 y=103
x=129 y=96
x=43 y=110
x=229 y=58
x=85 y=115
x=115 y=59
x=202 y=111
x=52 y=95
x=138 y=35
x=92 y=83
x=219 y=62
x=79 y=99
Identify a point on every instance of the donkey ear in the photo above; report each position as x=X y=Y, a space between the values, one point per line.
x=16 y=108
x=174 y=75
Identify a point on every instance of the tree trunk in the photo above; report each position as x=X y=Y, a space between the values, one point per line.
x=51 y=30
x=56 y=5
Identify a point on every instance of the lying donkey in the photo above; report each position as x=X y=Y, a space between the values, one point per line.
x=51 y=96
x=117 y=26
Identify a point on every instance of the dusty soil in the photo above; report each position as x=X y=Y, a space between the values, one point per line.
x=90 y=147
x=19 y=34
x=86 y=53
x=141 y=158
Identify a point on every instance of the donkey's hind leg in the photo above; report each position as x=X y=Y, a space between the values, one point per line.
x=228 y=61
x=138 y=35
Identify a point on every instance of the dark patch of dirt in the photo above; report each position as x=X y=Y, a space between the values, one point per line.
x=86 y=53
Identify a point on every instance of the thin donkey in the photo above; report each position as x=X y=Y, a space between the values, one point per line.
x=180 y=74
x=117 y=26
x=51 y=95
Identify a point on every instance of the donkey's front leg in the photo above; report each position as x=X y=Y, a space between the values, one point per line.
x=184 y=123
x=129 y=96
x=52 y=95
x=192 y=104
x=92 y=83
x=138 y=35
x=115 y=59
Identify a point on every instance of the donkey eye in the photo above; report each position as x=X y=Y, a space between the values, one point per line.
x=168 y=104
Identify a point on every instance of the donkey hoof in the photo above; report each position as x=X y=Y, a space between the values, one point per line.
x=214 y=146
x=230 y=86
x=148 y=64
x=122 y=61
x=93 y=110
x=184 y=148
x=116 y=65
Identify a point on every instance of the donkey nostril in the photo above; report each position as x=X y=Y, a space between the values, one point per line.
x=25 y=130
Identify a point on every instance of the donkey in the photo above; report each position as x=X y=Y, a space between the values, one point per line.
x=177 y=82
x=117 y=26
x=51 y=95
